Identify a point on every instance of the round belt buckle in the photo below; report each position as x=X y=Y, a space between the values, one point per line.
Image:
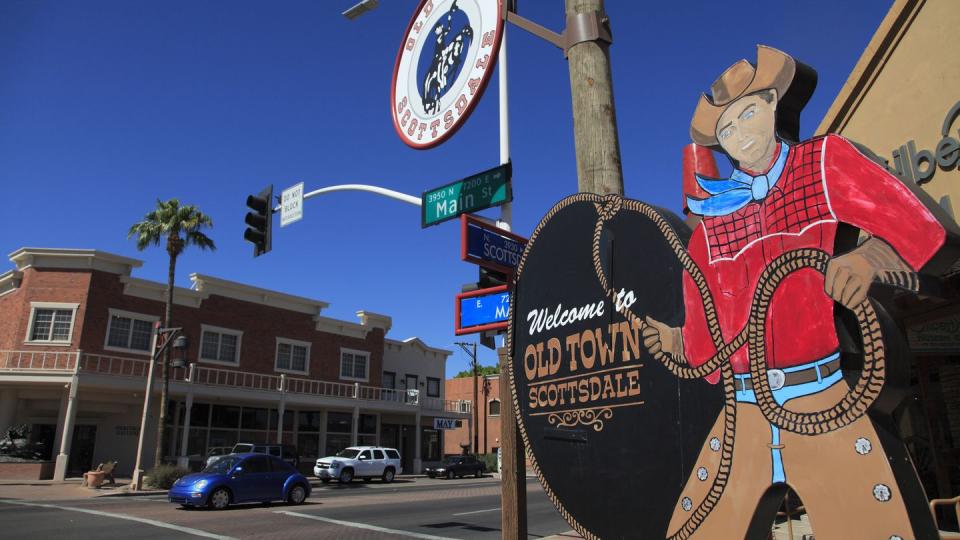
x=777 y=378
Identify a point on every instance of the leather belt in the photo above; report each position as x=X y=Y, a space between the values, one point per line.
x=778 y=378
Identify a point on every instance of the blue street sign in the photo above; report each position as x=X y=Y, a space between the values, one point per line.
x=490 y=246
x=482 y=310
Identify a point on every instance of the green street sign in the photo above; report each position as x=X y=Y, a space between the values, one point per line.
x=482 y=190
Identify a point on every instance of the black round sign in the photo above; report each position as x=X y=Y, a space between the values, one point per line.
x=612 y=434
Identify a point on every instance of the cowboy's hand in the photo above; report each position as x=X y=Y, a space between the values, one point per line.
x=849 y=276
x=660 y=338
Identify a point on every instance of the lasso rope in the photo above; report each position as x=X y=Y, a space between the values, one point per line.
x=849 y=409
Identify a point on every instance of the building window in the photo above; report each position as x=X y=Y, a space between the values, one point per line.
x=220 y=345
x=292 y=356
x=493 y=408
x=51 y=323
x=390 y=380
x=367 y=430
x=130 y=332
x=433 y=387
x=353 y=365
x=339 y=431
x=430 y=444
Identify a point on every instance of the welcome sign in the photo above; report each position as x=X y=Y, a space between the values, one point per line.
x=604 y=422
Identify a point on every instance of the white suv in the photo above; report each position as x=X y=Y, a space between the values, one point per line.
x=365 y=462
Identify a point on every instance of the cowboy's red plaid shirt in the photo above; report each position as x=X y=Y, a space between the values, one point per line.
x=826 y=181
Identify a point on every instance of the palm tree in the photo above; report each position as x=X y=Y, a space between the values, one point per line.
x=181 y=226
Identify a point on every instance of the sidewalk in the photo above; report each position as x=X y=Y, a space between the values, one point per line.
x=50 y=490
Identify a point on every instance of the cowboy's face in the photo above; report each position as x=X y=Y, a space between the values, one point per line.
x=746 y=130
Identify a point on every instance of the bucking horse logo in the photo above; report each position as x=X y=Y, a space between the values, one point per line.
x=448 y=57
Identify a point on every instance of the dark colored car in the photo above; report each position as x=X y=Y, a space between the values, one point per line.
x=457 y=466
x=237 y=478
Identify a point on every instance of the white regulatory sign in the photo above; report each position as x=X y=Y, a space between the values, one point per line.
x=291 y=205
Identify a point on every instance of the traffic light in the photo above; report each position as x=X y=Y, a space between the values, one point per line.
x=491 y=278
x=259 y=220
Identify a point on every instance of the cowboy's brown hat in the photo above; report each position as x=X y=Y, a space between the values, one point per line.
x=775 y=69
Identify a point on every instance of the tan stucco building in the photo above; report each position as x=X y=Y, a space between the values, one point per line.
x=902 y=101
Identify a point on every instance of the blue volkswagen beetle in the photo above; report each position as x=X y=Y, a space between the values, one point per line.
x=237 y=478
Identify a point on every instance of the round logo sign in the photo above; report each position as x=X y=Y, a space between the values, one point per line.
x=444 y=63
x=612 y=434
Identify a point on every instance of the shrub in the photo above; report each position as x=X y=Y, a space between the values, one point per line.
x=490 y=460
x=164 y=476
x=15 y=445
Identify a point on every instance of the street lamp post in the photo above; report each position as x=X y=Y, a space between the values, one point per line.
x=162 y=338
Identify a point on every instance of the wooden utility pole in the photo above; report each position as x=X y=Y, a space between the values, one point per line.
x=513 y=474
x=585 y=41
x=594 y=115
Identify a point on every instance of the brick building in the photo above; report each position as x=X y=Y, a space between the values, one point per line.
x=265 y=366
x=488 y=424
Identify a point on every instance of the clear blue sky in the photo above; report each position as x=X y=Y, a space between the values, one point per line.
x=106 y=106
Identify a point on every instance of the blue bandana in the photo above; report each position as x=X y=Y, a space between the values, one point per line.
x=727 y=195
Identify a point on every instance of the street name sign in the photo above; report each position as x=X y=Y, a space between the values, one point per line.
x=482 y=190
x=444 y=63
x=291 y=205
x=444 y=423
x=489 y=246
x=482 y=310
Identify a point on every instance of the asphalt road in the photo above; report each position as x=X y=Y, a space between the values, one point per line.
x=421 y=508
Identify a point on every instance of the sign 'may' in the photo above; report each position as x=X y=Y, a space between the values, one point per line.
x=444 y=423
x=443 y=65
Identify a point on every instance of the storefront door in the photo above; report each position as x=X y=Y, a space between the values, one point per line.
x=408 y=444
x=81 y=450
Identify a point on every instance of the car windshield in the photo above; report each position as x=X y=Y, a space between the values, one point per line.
x=452 y=460
x=242 y=448
x=222 y=465
x=349 y=453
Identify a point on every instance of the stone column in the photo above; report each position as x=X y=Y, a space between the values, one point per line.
x=183 y=460
x=355 y=426
x=8 y=409
x=417 y=432
x=60 y=471
x=282 y=407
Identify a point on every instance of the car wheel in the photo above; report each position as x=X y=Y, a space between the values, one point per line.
x=450 y=475
x=220 y=499
x=325 y=480
x=297 y=495
x=346 y=476
x=388 y=475
x=478 y=473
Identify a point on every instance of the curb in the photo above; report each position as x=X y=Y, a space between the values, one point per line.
x=126 y=493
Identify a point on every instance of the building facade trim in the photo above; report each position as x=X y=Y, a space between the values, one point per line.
x=221 y=287
x=73 y=259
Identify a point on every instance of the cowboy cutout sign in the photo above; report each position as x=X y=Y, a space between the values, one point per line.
x=772 y=330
